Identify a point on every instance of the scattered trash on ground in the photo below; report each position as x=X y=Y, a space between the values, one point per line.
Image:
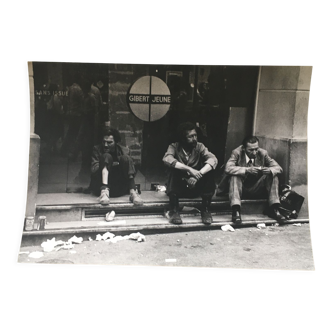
x=36 y=254
x=227 y=228
x=137 y=236
x=51 y=245
x=107 y=235
x=298 y=224
x=170 y=260
x=276 y=224
x=110 y=216
x=67 y=245
x=161 y=188
x=118 y=238
x=260 y=226
x=75 y=239
x=110 y=237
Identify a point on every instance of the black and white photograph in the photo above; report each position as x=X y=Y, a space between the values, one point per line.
x=168 y=165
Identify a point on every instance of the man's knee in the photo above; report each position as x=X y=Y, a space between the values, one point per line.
x=127 y=165
x=270 y=178
x=126 y=160
x=106 y=160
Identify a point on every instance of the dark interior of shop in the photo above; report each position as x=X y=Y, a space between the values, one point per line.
x=220 y=100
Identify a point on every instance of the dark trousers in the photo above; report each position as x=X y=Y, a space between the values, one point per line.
x=178 y=186
x=252 y=187
x=118 y=175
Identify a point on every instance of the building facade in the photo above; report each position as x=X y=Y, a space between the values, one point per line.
x=225 y=102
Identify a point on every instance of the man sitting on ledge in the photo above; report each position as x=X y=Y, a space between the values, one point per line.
x=251 y=171
x=191 y=168
x=112 y=170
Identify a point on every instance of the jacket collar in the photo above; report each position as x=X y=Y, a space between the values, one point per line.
x=183 y=155
x=244 y=159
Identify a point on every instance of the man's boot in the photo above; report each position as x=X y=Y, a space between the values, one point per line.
x=275 y=214
x=236 y=214
x=173 y=215
x=205 y=210
x=135 y=198
x=104 y=197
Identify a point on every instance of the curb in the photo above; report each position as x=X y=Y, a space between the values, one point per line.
x=156 y=228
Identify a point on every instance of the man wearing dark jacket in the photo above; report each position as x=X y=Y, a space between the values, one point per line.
x=112 y=170
x=191 y=167
x=252 y=171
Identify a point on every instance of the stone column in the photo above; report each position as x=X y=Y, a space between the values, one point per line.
x=33 y=153
x=281 y=121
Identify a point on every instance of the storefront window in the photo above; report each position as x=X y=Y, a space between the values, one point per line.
x=75 y=101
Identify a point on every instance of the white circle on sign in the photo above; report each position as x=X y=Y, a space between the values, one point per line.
x=149 y=98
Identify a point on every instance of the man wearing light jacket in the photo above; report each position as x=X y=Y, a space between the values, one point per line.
x=191 y=174
x=252 y=171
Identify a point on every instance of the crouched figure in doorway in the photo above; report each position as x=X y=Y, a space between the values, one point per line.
x=252 y=173
x=112 y=170
x=191 y=172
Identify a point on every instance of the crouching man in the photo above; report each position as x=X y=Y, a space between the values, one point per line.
x=112 y=171
x=191 y=168
x=252 y=172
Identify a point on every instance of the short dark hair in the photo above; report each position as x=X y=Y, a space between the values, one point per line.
x=183 y=128
x=249 y=139
x=108 y=131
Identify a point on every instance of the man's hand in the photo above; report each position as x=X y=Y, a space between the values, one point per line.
x=196 y=174
x=191 y=182
x=266 y=170
x=253 y=170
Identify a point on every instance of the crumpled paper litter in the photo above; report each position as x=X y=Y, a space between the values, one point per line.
x=227 y=228
x=261 y=226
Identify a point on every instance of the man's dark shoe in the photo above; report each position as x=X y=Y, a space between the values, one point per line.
x=236 y=217
x=174 y=217
x=275 y=214
x=206 y=217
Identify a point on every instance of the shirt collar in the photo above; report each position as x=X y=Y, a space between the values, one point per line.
x=247 y=159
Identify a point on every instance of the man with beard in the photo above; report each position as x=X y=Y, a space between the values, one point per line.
x=112 y=170
x=191 y=167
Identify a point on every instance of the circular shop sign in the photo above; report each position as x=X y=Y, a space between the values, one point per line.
x=149 y=98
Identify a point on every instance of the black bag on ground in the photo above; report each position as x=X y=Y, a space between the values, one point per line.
x=290 y=202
